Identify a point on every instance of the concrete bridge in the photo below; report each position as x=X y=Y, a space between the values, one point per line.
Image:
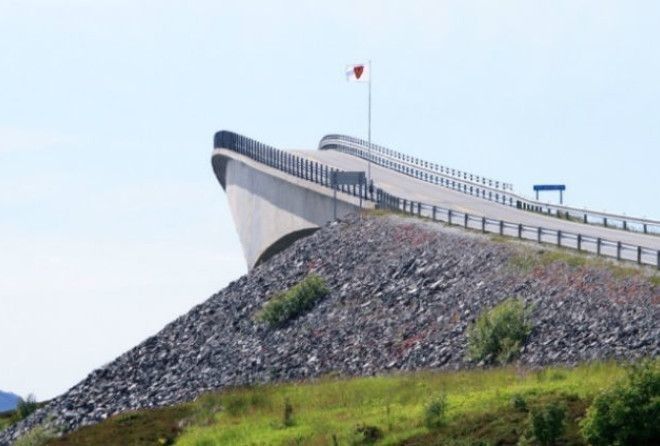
x=277 y=197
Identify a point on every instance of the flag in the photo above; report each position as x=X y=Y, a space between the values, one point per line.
x=357 y=73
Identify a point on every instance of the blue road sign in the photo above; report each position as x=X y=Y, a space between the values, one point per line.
x=543 y=187
x=538 y=187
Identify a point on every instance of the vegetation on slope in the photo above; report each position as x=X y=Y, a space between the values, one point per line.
x=493 y=406
x=24 y=408
x=292 y=303
x=499 y=333
x=5 y=419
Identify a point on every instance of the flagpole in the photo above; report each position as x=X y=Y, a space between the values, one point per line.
x=369 y=131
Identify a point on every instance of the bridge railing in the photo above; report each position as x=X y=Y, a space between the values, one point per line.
x=413 y=162
x=287 y=162
x=577 y=241
x=481 y=187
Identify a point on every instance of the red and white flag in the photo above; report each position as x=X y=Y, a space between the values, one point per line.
x=357 y=73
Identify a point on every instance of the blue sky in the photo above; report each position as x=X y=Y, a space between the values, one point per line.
x=111 y=222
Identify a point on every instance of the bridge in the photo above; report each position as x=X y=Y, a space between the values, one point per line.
x=277 y=196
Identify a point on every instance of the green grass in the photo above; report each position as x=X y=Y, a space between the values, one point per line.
x=479 y=406
x=392 y=213
x=5 y=420
x=526 y=260
x=655 y=280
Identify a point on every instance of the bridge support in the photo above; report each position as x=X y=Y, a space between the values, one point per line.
x=271 y=209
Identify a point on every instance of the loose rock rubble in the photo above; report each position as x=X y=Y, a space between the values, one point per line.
x=402 y=294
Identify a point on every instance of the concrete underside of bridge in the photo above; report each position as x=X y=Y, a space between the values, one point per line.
x=271 y=209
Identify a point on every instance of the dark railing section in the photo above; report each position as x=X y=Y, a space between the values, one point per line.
x=320 y=174
x=284 y=161
x=479 y=186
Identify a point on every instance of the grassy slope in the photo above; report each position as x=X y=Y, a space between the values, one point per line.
x=395 y=404
x=148 y=427
x=479 y=409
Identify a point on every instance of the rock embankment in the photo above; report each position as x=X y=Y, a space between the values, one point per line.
x=403 y=293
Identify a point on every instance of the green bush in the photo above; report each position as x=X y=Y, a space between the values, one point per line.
x=368 y=434
x=547 y=424
x=519 y=403
x=435 y=413
x=287 y=417
x=26 y=407
x=629 y=412
x=499 y=333
x=294 y=302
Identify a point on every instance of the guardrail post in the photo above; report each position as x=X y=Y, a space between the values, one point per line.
x=465 y=220
x=558 y=238
x=598 y=244
x=449 y=216
x=625 y=225
x=419 y=208
x=433 y=214
x=579 y=242
x=539 y=233
x=618 y=250
x=585 y=218
x=483 y=224
x=639 y=255
x=501 y=227
x=405 y=205
x=519 y=230
x=645 y=229
x=657 y=262
x=605 y=221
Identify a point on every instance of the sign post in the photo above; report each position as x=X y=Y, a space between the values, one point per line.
x=362 y=73
x=543 y=187
x=338 y=178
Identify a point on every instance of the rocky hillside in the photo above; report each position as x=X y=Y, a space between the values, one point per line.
x=403 y=292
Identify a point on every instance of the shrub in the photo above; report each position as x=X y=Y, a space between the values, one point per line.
x=519 y=403
x=628 y=413
x=26 y=407
x=434 y=413
x=499 y=333
x=547 y=424
x=294 y=302
x=368 y=434
x=287 y=418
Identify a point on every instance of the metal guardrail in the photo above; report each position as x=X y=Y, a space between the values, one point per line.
x=483 y=190
x=481 y=187
x=284 y=161
x=321 y=174
x=579 y=242
x=413 y=163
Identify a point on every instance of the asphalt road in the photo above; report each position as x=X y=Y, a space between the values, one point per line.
x=411 y=188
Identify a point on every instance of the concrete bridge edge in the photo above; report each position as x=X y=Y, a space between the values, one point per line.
x=271 y=209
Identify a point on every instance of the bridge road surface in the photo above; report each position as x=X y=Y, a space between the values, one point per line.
x=410 y=188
